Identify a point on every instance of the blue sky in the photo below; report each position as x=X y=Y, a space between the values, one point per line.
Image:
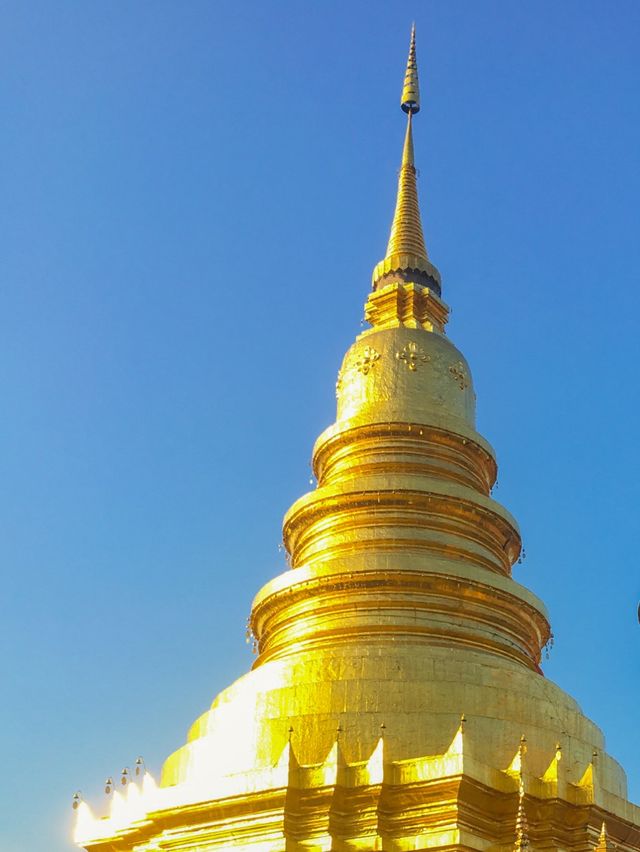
x=193 y=197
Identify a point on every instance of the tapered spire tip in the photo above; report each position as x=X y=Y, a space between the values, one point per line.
x=410 y=100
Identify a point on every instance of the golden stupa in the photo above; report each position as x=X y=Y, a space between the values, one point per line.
x=396 y=701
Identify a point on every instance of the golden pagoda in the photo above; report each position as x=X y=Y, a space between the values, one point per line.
x=396 y=701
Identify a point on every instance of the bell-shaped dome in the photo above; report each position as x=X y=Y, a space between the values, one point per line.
x=406 y=374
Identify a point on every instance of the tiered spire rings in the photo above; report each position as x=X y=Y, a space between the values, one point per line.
x=410 y=100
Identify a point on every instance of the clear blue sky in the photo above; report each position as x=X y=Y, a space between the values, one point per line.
x=193 y=197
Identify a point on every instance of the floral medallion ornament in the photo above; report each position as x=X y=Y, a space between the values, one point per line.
x=459 y=374
x=413 y=355
x=367 y=360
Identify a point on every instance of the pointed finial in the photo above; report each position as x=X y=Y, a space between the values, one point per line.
x=410 y=100
x=406 y=259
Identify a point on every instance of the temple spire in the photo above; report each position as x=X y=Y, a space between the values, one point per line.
x=406 y=258
x=522 y=828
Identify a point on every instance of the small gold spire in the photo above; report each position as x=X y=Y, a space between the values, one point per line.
x=406 y=259
x=604 y=844
x=522 y=827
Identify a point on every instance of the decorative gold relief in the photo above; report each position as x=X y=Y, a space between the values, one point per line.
x=413 y=355
x=367 y=360
x=459 y=374
x=363 y=363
